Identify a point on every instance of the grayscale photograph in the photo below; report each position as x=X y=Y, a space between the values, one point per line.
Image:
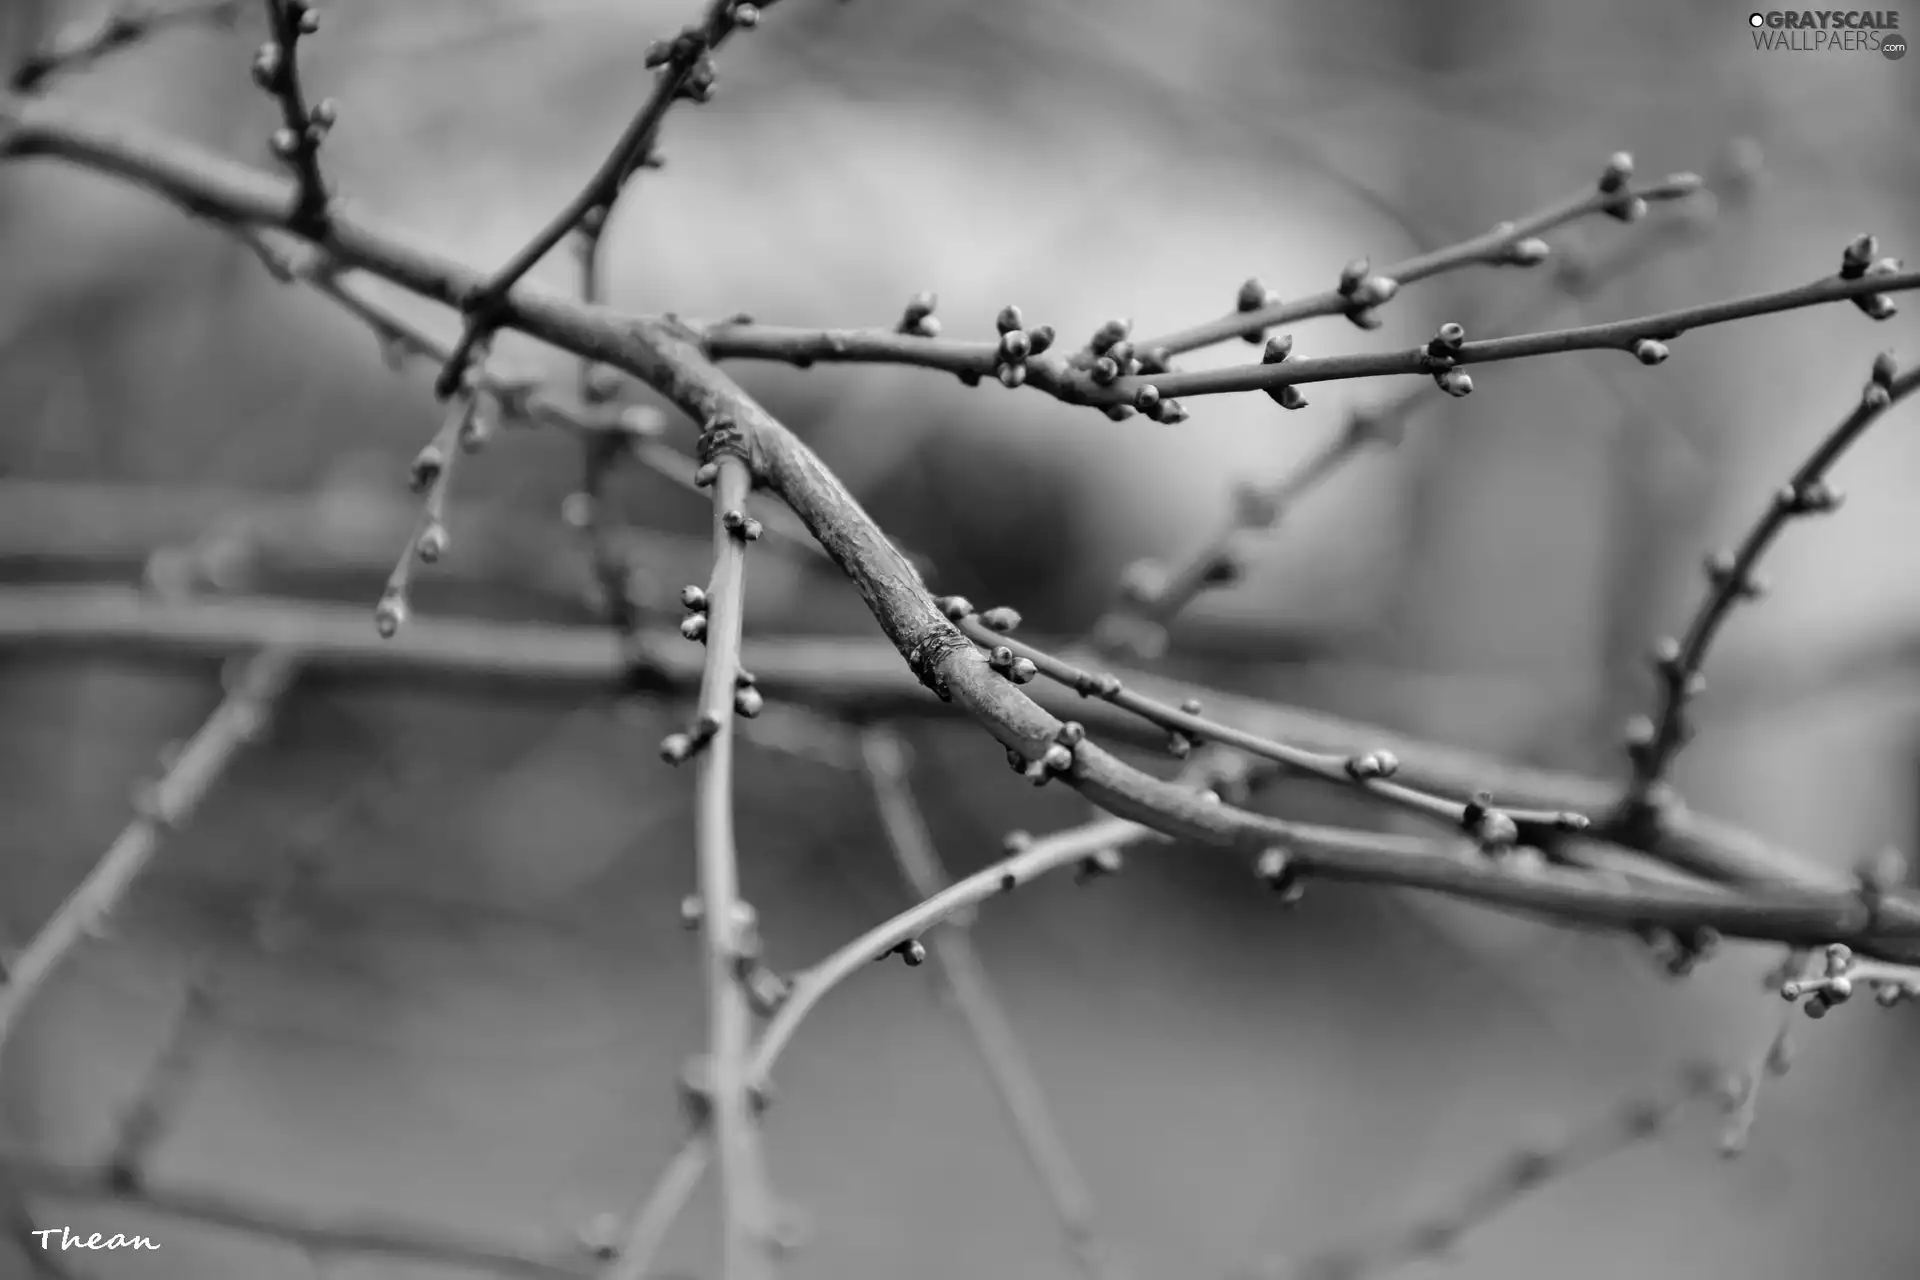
x=958 y=640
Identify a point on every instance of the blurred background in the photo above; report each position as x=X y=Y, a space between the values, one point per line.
x=470 y=998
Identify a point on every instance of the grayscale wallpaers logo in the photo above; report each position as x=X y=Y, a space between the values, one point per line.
x=1824 y=31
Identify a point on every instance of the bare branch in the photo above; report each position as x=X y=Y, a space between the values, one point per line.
x=82 y=45
x=1151 y=594
x=667 y=357
x=1731 y=580
x=731 y=930
x=887 y=764
x=647 y=1233
x=1371 y=770
x=296 y=143
x=605 y=429
x=1510 y=243
x=1518 y=1175
x=685 y=71
x=841 y=674
x=1122 y=394
x=192 y=773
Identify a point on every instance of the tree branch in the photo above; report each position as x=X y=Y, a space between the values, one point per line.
x=199 y=764
x=731 y=933
x=887 y=763
x=128 y=24
x=667 y=356
x=1521 y=1173
x=1731 y=580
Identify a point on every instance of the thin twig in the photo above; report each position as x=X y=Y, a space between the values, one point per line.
x=276 y=70
x=431 y=476
x=911 y=843
x=189 y=538
x=1509 y=243
x=81 y=46
x=234 y=723
x=1071 y=376
x=1773 y=1060
x=647 y=1234
x=601 y=426
x=730 y=933
x=1371 y=771
x=684 y=72
x=812 y=985
x=667 y=356
x=144 y=1121
x=1679 y=664
x=1154 y=595
x=842 y=675
x=1517 y=1175
x=1056 y=376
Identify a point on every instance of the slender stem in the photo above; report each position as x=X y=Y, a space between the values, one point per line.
x=668 y=357
x=200 y=763
x=1518 y=1174
x=1617 y=335
x=300 y=129
x=1490 y=247
x=886 y=761
x=729 y=1017
x=126 y=25
x=1370 y=771
x=1731 y=580
x=647 y=1234
x=843 y=675
x=687 y=54
x=1140 y=624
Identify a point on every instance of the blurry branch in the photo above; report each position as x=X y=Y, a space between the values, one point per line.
x=1151 y=595
x=1745 y=1088
x=1519 y=1174
x=647 y=1233
x=603 y=427
x=1101 y=838
x=887 y=765
x=186 y=539
x=252 y=692
x=599 y=455
x=82 y=44
x=314 y=1234
x=143 y=1122
x=843 y=675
